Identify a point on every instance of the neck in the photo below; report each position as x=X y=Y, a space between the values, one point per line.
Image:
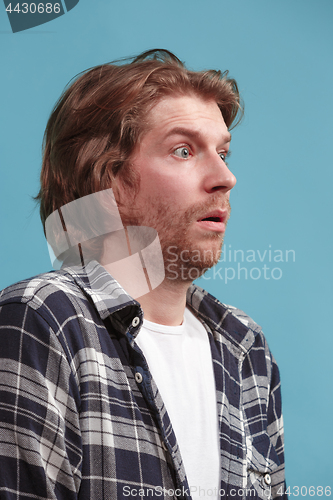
x=166 y=303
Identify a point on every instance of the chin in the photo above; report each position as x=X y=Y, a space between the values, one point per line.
x=186 y=263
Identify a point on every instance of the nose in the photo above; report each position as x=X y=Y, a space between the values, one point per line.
x=218 y=176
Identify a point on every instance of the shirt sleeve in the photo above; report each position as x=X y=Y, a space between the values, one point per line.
x=40 y=440
x=275 y=431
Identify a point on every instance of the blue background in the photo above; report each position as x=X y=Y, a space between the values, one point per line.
x=280 y=52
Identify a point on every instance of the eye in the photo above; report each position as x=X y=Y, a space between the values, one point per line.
x=182 y=152
x=224 y=156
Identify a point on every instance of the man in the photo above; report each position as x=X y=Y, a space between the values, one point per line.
x=172 y=395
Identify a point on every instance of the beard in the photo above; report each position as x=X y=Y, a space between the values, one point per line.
x=186 y=258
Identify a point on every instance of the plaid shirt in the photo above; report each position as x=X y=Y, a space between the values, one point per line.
x=81 y=416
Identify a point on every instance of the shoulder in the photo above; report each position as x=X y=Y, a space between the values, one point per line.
x=51 y=296
x=40 y=286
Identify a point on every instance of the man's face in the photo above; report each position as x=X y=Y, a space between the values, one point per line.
x=184 y=183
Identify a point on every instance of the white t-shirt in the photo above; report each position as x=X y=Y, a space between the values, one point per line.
x=180 y=360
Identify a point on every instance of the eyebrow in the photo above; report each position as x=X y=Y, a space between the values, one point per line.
x=193 y=134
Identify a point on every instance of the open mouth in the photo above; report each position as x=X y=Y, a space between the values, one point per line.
x=213 y=219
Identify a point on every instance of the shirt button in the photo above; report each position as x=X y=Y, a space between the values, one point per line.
x=138 y=377
x=135 y=321
x=267 y=479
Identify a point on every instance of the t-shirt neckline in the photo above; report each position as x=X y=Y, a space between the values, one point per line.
x=165 y=329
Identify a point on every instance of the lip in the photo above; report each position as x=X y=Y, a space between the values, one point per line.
x=216 y=222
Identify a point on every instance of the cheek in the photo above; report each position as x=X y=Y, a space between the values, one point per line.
x=174 y=186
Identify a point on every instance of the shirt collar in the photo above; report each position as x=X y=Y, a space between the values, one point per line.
x=225 y=322
x=108 y=297
x=111 y=300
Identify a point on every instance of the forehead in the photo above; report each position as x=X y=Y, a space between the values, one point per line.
x=192 y=111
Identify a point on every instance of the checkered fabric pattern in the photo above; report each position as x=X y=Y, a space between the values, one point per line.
x=81 y=416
